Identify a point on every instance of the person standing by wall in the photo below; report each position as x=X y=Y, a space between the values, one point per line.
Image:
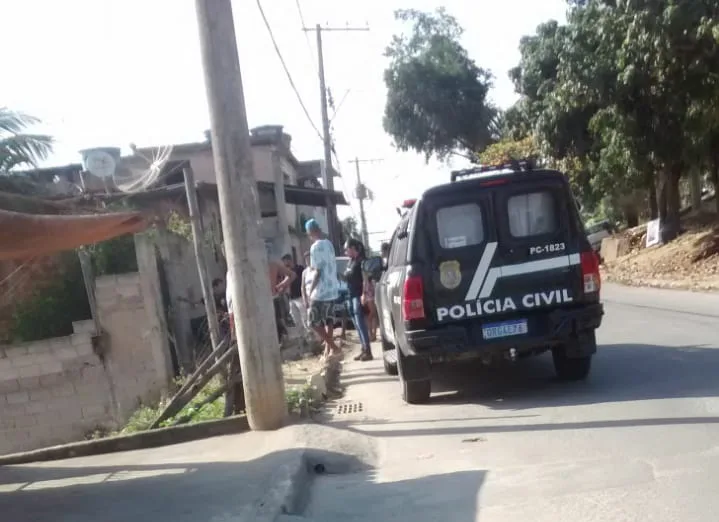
x=324 y=289
x=280 y=280
x=355 y=278
x=297 y=308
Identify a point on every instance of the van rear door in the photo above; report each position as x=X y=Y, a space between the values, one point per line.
x=537 y=262
x=457 y=226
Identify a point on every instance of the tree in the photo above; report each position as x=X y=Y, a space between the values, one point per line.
x=436 y=95
x=507 y=150
x=626 y=90
x=18 y=148
x=349 y=229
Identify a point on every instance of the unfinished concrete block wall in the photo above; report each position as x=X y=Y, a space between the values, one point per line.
x=137 y=359
x=52 y=391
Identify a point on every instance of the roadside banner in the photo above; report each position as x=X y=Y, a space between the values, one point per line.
x=654 y=236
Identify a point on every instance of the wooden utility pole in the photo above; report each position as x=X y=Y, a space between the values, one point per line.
x=249 y=284
x=213 y=324
x=328 y=173
x=362 y=193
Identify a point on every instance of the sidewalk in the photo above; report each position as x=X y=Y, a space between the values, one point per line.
x=224 y=478
x=254 y=476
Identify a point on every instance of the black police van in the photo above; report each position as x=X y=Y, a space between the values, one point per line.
x=495 y=265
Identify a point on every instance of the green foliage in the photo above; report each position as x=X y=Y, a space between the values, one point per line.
x=115 y=256
x=506 y=150
x=52 y=309
x=437 y=96
x=179 y=226
x=626 y=91
x=301 y=401
x=18 y=148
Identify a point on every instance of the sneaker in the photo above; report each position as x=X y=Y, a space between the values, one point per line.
x=365 y=356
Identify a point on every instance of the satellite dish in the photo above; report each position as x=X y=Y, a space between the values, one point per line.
x=101 y=161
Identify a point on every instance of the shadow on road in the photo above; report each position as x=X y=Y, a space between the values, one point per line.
x=184 y=492
x=620 y=372
x=424 y=499
x=177 y=492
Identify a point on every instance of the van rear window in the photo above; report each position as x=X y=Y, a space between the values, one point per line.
x=460 y=226
x=532 y=214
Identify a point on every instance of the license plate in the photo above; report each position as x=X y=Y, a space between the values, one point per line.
x=504 y=329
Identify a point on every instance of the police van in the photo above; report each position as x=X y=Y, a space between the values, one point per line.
x=494 y=265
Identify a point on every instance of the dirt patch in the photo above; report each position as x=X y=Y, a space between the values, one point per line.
x=689 y=262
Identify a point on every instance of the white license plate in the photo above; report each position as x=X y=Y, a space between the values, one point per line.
x=504 y=329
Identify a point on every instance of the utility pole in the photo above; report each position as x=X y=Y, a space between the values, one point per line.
x=239 y=207
x=327 y=137
x=362 y=193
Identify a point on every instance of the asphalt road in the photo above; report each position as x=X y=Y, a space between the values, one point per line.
x=639 y=441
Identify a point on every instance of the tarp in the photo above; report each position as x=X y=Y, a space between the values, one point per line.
x=25 y=236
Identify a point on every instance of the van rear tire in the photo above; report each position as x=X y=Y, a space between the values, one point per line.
x=415 y=378
x=416 y=392
x=571 y=369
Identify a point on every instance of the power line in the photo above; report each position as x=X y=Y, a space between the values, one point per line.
x=307 y=36
x=287 y=72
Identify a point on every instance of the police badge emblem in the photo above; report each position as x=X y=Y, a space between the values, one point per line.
x=450 y=274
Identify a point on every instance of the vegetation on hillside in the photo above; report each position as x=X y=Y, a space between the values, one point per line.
x=621 y=97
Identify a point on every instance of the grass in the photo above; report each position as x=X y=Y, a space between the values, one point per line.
x=300 y=401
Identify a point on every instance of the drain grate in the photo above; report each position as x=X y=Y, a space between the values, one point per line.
x=348 y=408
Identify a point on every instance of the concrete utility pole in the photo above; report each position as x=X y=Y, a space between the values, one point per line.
x=328 y=180
x=362 y=193
x=239 y=207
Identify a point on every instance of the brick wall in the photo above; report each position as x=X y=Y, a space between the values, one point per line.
x=57 y=390
x=52 y=391
x=136 y=364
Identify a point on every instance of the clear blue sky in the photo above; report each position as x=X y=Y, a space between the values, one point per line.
x=111 y=72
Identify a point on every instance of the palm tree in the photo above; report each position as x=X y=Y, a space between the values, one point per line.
x=18 y=148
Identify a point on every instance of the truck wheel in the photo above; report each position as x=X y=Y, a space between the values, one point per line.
x=416 y=392
x=415 y=378
x=571 y=368
x=389 y=357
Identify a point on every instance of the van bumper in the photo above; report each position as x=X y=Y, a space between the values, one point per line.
x=555 y=328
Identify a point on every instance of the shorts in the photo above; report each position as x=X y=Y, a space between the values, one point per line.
x=321 y=313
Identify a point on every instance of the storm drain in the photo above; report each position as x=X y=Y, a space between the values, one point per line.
x=349 y=408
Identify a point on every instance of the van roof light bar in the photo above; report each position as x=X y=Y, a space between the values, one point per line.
x=514 y=165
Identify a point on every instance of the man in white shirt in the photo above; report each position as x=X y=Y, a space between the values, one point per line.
x=324 y=290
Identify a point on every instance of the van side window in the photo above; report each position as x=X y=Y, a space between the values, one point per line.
x=532 y=214
x=398 y=254
x=460 y=226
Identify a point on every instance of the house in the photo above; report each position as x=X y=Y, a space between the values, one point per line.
x=289 y=192
x=298 y=193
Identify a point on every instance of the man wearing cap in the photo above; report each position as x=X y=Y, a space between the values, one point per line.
x=324 y=289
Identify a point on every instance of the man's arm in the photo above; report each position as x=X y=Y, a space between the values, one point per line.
x=289 y=277
x=303 y=289
x=315 y=259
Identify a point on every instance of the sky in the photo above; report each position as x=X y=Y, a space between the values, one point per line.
x=115 y=72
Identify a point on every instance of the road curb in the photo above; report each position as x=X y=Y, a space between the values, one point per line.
x=135 y=441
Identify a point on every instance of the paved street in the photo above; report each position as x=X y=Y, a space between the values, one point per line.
x=638 y=441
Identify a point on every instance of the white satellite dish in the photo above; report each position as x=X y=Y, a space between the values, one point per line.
x=101 y=161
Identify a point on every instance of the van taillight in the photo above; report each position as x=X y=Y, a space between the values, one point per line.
x=413 y=298
x=590 y=272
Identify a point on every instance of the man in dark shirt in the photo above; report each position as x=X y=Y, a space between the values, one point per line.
x=297 y=308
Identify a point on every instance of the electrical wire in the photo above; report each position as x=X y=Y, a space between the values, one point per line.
x=287 y=72
x=307 y=36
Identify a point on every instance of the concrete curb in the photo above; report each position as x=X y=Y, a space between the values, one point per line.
x=145 y=439
x=290 y=491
